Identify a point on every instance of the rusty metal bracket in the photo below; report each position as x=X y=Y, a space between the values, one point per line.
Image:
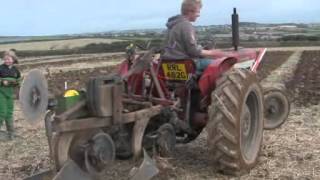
x=156 y=83
x=83 y=124
x=138 y=132
x=60 y=155
x=164 y=102
x=117 y=104
x=131 y=101
x=139 y=128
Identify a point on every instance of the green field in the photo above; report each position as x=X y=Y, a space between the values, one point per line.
x=55 y=44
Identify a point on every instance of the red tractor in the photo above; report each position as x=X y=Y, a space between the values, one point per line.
x=226 y=99
x=154 y=103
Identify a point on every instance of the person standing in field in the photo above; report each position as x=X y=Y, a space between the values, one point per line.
x=9 y=79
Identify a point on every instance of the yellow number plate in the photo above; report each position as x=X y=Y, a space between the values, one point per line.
x=175 y=71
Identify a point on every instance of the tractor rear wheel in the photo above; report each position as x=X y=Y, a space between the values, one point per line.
x=235 y=126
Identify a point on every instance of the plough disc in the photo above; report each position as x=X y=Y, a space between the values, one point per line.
x=33 y=96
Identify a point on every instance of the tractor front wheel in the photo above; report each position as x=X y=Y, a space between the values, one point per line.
x=276 y=106
x=235 y=126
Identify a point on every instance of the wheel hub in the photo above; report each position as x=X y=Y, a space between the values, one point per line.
x=92 y=150
x=246 y=120
x=99 y=153
x=35 y=97
x=249 y=127
x=273 y=107
x=277 y=108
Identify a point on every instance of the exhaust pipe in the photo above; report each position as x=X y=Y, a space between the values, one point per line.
x=235 y=29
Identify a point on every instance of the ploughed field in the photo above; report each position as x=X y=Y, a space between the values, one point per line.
x=305 y=84
x=73 y=70
x=289 y=152
x=271 y=61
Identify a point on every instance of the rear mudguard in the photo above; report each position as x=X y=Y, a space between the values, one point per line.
x=207 y=81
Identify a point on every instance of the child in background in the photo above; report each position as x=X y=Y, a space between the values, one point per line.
x=9 y=79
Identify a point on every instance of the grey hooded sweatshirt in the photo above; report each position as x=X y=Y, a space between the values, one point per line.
x=181 y=42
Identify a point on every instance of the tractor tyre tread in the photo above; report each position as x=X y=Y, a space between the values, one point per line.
x=223 y=124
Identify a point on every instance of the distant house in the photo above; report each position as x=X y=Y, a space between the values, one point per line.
x=287 y=27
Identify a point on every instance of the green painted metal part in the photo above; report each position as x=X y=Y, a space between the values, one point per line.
x=65 y=103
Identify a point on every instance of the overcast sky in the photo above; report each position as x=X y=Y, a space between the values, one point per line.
x=48 y=17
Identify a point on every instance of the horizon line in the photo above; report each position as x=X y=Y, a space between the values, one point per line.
x=134 y=29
